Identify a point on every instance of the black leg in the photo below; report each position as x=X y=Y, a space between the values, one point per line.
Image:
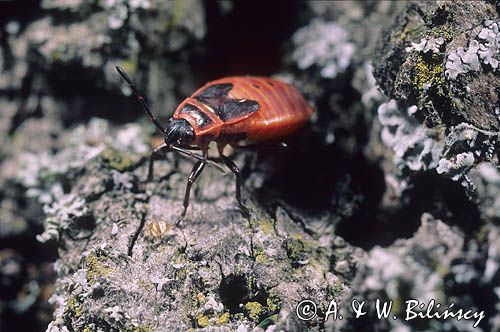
x=196 y=156
x=193 y=176
x=159 y=149
x=232 y=166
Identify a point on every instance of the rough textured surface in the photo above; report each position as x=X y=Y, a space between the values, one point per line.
x=440 y=59
x=390 y=197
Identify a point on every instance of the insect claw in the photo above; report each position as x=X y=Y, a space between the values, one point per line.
x=180 y=219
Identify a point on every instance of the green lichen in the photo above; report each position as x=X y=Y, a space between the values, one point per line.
x=336 y=289
x=96 y=268
x=442 y=31
x=261 y=257
x=148 y=286
x=192 y=301
x=145 y=328
x=273 y=303
x=58 y=54
x=47 y=177
x=410 y=32
x=266 y=226
x=397 y=305
x=142 y=329
x=121 y=161
x=254 y=309
x=428 y=71
x=130 y=66
x=306 y=251
x=442 y=270
x=74 y=307
x=295 y=251
x=178 y=13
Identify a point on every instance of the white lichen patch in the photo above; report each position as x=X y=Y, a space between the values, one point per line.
x=427 y=45
x=459 y=165
x=490 y=43
x=325 y=45
x=413 y=147
x=466 y=146
x=483 y=49
x=85 y=142
x=60 y=214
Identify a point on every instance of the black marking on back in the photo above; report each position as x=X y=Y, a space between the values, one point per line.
x=256 y=86
x=231 y=108
x=270 y=83
x=215 y=96
x=201 y=118
x=214 y=91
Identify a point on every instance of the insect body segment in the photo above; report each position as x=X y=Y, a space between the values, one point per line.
x=228 y=111
x=257 y=108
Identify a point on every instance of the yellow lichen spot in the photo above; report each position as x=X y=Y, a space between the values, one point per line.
x=96 y=268
x=121 y=161
x=408 y=33
x=130 y=66
x=223 y=319
x=200 y=298
x=254 y=309
x=142 y=329
x=266 y=226
x=442 y=270
x=273 y=303
x=427 y=72
x=261 y=258
x=74 y=307
x=442 y=31
x=396 y=305
x=148 y=286
x=203 y=321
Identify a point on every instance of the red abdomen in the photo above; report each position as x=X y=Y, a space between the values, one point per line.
x=282 y=108
x=254 y=108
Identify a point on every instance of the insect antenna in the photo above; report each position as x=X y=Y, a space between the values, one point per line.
x=141 y=99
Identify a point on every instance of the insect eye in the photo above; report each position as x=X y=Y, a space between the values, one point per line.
x=179 y=131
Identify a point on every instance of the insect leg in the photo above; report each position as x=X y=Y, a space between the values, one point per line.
x=196 y=156
x=232 y=166
x=193 y=176
x=159 y=149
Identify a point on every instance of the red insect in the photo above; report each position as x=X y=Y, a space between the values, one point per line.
x=228 y=111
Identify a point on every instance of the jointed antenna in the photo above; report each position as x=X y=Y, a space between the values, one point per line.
x=141 y=99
